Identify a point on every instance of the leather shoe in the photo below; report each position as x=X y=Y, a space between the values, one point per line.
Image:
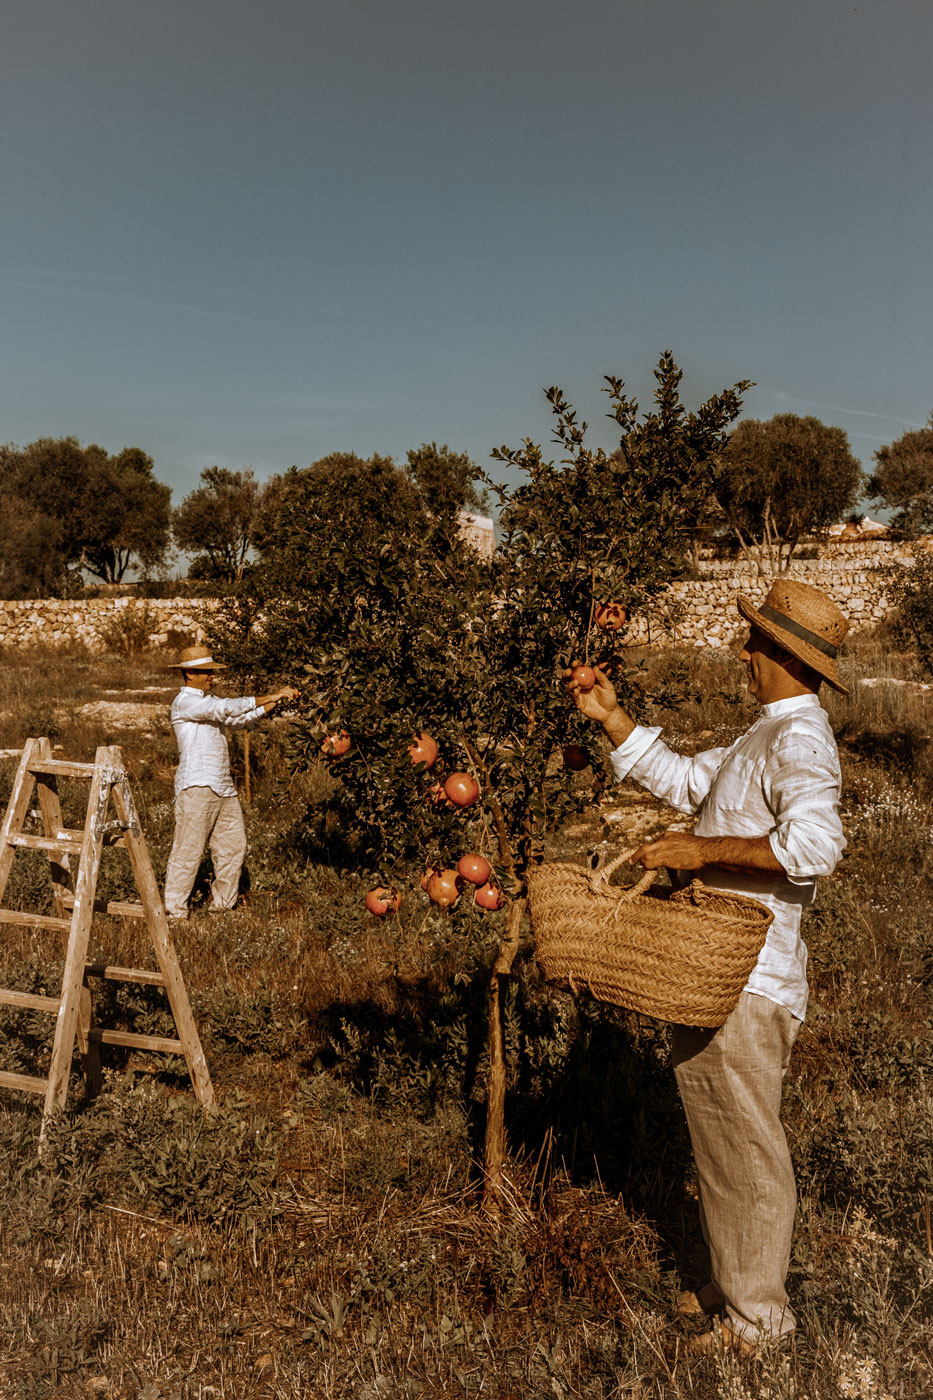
x=704 y=1302
x=721 y=1338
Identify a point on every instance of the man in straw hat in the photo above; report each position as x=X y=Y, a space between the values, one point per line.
x=207 y=809
x=768 y=826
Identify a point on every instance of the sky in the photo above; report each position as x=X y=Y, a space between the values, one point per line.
x=251 y=234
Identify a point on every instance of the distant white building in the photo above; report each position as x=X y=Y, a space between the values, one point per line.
x=864 y=529
x=479 y=531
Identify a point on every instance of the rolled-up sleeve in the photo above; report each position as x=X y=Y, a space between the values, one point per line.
x=802 y=785
x=236 y=713
x=674 y=778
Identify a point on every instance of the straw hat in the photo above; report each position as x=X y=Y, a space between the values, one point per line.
x=804 y=622
x=196 y=659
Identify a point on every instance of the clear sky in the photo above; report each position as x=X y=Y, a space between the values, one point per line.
x=251 y=232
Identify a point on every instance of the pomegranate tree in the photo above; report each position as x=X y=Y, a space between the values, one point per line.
x=445 y=665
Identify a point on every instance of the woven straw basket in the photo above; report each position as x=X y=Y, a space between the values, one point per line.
x=683 y=959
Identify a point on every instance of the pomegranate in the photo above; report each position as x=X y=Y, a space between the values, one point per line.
x=335 y=745
x=423 y=750
x=575 y=758
x=444 y=888
x=461 y=789
x=488 y=897
x=380 y=900
x=584 y=676
x=474 y=869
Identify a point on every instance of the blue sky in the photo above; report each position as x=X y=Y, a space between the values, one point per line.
x=251 y=234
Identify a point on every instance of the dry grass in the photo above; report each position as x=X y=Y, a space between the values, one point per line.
x=320 y=1235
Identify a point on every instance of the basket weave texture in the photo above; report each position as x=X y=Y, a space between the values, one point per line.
x=683 y=959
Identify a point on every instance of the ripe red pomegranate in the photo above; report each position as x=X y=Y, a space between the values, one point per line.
x=444 y=888
x=423 y=750
x=461 y=789
x=488 y=897
x=336 y=745
x=380 y=900
x=474 y=869
x=610 y=616
x=584 y=676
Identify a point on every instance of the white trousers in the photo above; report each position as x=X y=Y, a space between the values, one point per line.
x=730 y=1082
x=203 y=819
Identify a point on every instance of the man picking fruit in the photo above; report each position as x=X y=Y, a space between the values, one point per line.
x=767 y=826
x=207 y=809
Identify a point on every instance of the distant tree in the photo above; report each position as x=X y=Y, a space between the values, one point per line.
x=446 y=480
x=344 y=493
x=217 y=522
x=31 y=562
x=106 y=511
x=131 y=514
x=782 y=480
x=903 y=480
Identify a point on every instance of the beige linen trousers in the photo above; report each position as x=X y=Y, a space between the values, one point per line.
x=730 y=1083
x=203 y=819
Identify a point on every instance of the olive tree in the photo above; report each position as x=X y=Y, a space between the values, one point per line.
x=782 y=480
x=396 y=628
x=903 y=480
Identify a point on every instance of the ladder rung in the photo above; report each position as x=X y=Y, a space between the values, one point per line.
x=11 y=753
x=125 y=974
x=111 y=906
x=61 y=768
x=134 y=1041
x=46 y=843
x=28 y=1000
x=28 y=1082
x=20 y=916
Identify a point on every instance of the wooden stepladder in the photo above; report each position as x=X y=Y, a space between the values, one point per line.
x=111 y=820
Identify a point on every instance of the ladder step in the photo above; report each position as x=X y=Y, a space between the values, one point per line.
x=18 y=916
x=110 y=973
x=111 y=906
x=28 y=1000
x=61 y=768
x=28 y=1082
x=46 y=843
x=134 y=1041
x=11 y=753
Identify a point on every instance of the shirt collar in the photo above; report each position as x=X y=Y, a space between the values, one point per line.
x=792 y=703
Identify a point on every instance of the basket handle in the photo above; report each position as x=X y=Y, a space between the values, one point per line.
x=601 y=876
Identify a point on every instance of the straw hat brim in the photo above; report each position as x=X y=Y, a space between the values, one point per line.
x=196 y=666
x=817 y=660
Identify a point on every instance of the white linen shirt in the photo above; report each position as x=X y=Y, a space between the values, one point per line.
x=780 y=779
x=199 y=722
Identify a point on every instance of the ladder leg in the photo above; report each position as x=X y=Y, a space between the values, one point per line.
x=88 y=1049
x=76 y=954
x=16 y=811
x=161 y=937
x=51 y=808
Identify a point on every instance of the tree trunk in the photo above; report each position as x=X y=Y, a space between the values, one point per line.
x=493 y=1194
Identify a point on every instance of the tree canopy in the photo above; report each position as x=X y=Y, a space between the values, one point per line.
x=217 y=522
x=783 y=479
x=78 y=508
x=903 y=480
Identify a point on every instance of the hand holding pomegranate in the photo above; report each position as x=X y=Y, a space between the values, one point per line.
x=598 y=700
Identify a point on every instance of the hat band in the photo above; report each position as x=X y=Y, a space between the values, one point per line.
x=812 y=639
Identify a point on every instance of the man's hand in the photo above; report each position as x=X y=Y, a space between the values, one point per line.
x=600 y=704
x=678 y=850
x=289 y=693
x=675 y=850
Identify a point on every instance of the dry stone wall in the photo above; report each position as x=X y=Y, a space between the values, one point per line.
x=102 y=624
x=697 y=613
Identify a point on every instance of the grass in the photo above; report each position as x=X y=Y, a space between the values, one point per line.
x=320 y=1235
